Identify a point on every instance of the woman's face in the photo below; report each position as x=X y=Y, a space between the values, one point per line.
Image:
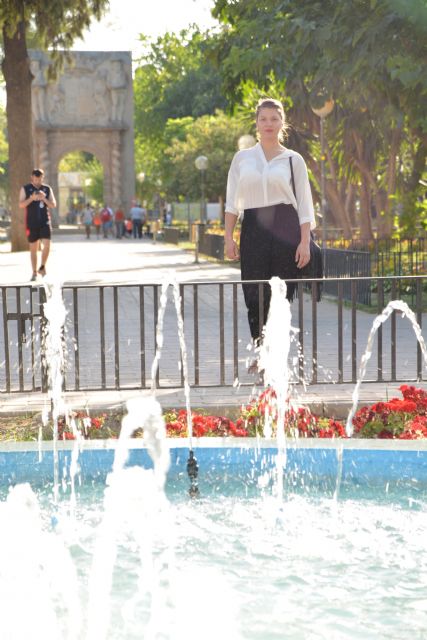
x=269 y=123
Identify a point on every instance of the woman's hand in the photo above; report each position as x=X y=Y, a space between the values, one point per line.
x=302 y=255
x=231 y=249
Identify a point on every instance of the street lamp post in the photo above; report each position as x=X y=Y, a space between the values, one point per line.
x=157 y=209
x=246 y=141
x=88 y=184
x=202 y=164
x=323 y=113
x=140 y=177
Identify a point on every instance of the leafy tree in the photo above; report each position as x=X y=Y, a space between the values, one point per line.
x=215 y=136
x=370 y=55
x=95 y=191
x=174 y=81
x=87 y=164
x=56 y=24
x=76 y=161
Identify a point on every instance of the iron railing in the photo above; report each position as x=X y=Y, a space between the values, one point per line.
x=344 y=265
x=109 y=335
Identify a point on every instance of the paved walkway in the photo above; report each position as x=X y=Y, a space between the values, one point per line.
x=75 y=260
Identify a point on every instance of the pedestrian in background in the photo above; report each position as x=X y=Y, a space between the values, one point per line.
x=137 y=215
x=97 y=223
x=107 y=221
x=37 y=198
x=87 y=219
x=119 y=218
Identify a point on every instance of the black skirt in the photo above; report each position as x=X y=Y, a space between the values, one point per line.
x=268 y=243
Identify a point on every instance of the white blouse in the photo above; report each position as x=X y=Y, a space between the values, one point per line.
x=255 y=182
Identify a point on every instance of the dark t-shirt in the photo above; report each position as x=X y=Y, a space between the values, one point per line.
x=37 y=212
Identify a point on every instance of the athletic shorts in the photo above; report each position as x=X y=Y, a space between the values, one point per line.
x=38 y=233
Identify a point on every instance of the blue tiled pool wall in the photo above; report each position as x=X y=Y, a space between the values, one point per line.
x=221 y=467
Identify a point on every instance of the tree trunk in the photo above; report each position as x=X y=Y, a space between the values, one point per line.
x=18 y=77
x=418 y=166
x=383 y=205
x=365 y=221
x=350 y=203
x=384 y=223
x=336 y=205
x=335 y=196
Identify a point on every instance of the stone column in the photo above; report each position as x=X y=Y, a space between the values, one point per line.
x=43 y=159
x=116 y=178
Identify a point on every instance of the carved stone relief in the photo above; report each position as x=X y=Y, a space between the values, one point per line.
x=89 y=85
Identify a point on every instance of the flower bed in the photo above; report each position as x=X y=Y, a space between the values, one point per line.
x=250 y=423
x=404 y=419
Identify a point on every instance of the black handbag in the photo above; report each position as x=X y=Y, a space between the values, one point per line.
x=314 y=269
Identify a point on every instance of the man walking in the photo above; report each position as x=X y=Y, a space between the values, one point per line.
x=137 y=215
x=37 y=198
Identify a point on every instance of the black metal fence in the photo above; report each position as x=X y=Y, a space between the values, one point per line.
x=110 y=330
x=390 y=256
x=338 y=263
x=347 y=264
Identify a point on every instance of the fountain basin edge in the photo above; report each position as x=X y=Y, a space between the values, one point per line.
x=225 y=460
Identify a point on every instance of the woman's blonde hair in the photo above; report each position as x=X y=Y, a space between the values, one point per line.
x=271 y=103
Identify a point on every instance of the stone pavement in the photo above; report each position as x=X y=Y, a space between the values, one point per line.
x=75 y=260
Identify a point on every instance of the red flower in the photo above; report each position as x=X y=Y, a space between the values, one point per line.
x=385 y=434
x=175 y=428
x=416 y=429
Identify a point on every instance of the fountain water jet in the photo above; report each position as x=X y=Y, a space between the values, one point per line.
x=273 y=360
x=55 y=314
x=393 y=305
x=192 y=466
x=135 y=499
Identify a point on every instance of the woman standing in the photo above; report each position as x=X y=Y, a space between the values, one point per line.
x=268 y=184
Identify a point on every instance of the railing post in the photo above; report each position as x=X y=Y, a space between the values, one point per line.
x=196 y=243
x=76 y=338
x=419 y=313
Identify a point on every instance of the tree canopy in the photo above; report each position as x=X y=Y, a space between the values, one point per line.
x=175 y=84
x=175 y=79
x=370 y=56
x=214 y=136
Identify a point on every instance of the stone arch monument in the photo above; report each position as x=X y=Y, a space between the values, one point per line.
x=89 y=107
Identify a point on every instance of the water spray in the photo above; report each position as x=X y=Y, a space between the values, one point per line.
x=192 y=466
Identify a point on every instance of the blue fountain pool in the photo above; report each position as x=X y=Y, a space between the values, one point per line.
x=238 y=466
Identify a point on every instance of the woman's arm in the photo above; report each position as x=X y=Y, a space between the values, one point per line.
x=231 y=248
x=302 y=255
x=304 y=198
x=305 y=211
x=231 y=212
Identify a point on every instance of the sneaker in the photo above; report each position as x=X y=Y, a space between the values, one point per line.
x=33 y=277
x=42 y=270
x=253 y=367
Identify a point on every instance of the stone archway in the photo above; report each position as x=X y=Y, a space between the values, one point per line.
x=88 y=108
